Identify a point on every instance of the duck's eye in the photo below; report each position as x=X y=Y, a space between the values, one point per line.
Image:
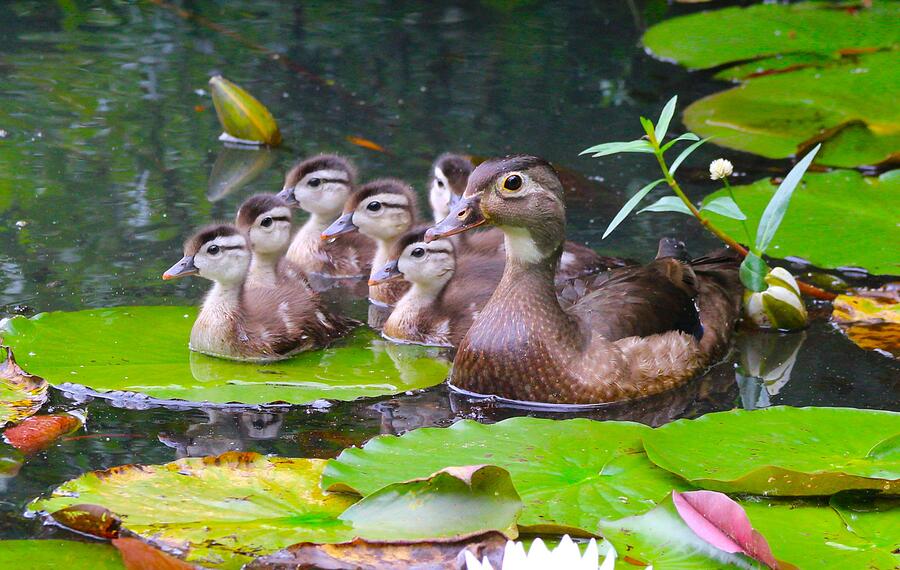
x=373 y=206
x=267 y=222
x=314 y=182
x=512 y=182
x=213 y=250
x=440 y=183
x=418 y=252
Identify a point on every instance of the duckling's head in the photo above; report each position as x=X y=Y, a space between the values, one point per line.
x=449 y=175
x=428 y=264
x=320 y=185
x=266 y=221
x=520 y=194
x=382 y=209
x=218 y=253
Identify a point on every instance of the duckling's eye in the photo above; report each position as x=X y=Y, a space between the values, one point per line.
x=440 y=183
x=512 y=182
x=373 y=206
x=418 y=252
x=212 y=250
x=266 y=222
x=314 y=182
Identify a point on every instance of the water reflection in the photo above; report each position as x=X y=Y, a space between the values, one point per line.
x=765 y=365
x=235 y=168
x=225 y=431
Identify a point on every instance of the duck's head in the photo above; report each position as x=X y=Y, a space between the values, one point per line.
x=218 y=253
x=449 y=175
x=428 y=264
x=382 y=209
x=520 y=194
x=266 y=221
x=320 y=185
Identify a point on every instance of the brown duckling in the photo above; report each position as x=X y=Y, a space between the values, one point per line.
x=382 y=210
x=447 y=290
x=254 y=324
x=265 y=219
x=320 y=185
x=641 y=330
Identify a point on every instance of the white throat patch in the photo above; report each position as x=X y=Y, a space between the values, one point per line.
x=520 y=246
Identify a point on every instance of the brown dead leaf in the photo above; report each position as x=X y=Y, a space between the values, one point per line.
x=366 y=143
x=38 y=432
x=89 y=519
x=138 y=555
x=871 y=318
x=30 y=391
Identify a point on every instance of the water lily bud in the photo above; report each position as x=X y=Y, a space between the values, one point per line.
x=244 y=119
x=720 y=168
x=780 y=306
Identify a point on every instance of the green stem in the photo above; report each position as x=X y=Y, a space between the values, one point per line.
x=743 y=222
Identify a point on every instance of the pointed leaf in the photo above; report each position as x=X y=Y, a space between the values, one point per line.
x=648 y=125
x=667 y=204
x=753 y=272
x=686 y=153
x=662 y=126
x=724 y=206
x=774 y=212
x=630 y=205
x=684 y=137
x=605 y=149
x=242 y=116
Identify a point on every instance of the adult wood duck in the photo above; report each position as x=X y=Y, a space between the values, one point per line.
x=450 y=173
x=320 y=185
x=381 y=210
x=447 y=290
x=254 y=324
x=265 y=220
x=639 y=331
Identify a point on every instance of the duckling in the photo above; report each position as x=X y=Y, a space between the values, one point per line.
x=383 y=210
x=446 y=291
x=641 y=330
x=257 y=324
x=265 y=219
x=320 y=185
x=450 y=173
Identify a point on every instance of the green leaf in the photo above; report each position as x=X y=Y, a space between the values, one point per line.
x=630 y=205
x=725 y=206
x=838 y=219
x=242 y=116
x=21 y=394
x=777 y=206
x=873 y=518
x=35 y=554
x=684 y=137
x=606 y=149
x=662 y=125
x=684 y=154
x=668 y=204
x=648 y=125
x=144 y=350
x=753 y=272
x=770 y=29
x=780 y=451
x=569 y=473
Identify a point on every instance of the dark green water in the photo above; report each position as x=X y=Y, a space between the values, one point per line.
x=110 y=140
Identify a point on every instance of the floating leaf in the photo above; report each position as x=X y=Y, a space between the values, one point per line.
x=630 y=205
x=93 y=520
x=144 y=350
x=139 y=555
x=668 y=204
x=241 y=115
x=871 y=319
x=568 y=473
x=366 y=143
x=780 y=451
x=38 y=432
x=725 y=206
x=771 y=65
x=836 y=219
x=21 y=394
x=69 y=554
x=873 y=518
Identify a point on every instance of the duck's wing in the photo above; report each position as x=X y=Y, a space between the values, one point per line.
x=718 y=298
x=579 y=261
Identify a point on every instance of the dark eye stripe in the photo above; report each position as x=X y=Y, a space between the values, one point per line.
x=447 y=251
x=281 y=219
x=398 y=206
x=337 y=180
x=227 y=247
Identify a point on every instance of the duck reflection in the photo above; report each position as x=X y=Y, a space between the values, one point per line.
x=225 y=430
x=765 y=365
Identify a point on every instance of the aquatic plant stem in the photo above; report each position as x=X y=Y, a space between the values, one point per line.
x=744 y=221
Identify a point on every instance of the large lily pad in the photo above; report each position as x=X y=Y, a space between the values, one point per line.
x=836 y=219
x=874 y=518
x=849 y=108
x=570 y=474
x=35 y=554
x=709 y=39
x=21 y=394
x=144 y=350
x=783 y=450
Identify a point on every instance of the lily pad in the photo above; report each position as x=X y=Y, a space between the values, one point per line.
x=857 y=214
x=144 y=350
x=849 y=108
x=222 y=511
x=569 y=473
x=28 y=554
x=783 y=450
x=874 y=518
x=21 y=394
x=709 y=39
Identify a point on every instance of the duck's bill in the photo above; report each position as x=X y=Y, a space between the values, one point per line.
x=287 y=194
x=389 y=272
x=464 y=215
x=341 y=226
x=183 y=268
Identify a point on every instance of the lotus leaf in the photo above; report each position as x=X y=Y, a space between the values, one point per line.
x=21 y=394
x=849 y=108
x=771 y=65
x=876 y=519
x=857 y=214
x=781 y=450
x=709 y=39
x=569 y=473
x=35 y=554
x=144 y=350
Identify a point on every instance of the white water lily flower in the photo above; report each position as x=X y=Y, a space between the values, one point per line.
x=720 y=168
x=780 y=306
x=565 y=556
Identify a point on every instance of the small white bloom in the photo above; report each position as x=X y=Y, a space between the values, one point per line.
x=567 y=555
x=720 y=168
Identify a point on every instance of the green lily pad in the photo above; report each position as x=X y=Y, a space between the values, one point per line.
x=38 y=554
x=849 y=108
x=21 y=394
x=709 y=39
x=222 y=511
x=857 y=214
x=875 y=518
x=569 y=473
x=775 y=64
x=144 y=350
x=780 y=451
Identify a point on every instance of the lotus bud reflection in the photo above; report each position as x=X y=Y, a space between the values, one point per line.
x=539 y=557
x=765 y=365
x=780 y=306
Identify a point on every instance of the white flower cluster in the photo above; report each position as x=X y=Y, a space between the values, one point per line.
x=566 y=556
x=720 y=168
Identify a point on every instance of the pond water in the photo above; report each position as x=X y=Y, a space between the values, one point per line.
x=109 y=140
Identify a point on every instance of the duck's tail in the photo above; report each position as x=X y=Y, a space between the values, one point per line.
x=719 y=293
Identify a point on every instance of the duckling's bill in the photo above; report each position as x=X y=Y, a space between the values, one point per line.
x=389 y=272
x=287 y=194
x=464 y=215
x=183 y=268
x=341 y=226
